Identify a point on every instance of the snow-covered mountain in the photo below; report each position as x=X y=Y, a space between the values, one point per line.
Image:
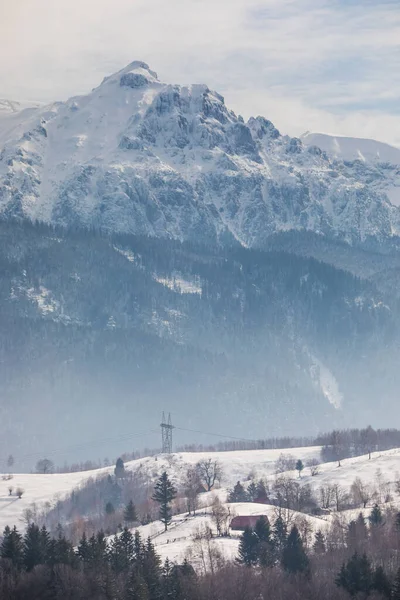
x=140 y=156
x=171 y=264
x=379 y=157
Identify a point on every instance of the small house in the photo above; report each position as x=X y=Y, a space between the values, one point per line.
x=245 y=521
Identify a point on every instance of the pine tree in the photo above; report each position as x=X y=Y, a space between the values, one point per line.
x=35 y=547
x=252 y=492
x=119 y=470
x=151 y=570
x=279 y=534
x=136 y=587
x=121 y=552
x=396 y=587
x=362 y=529
x=375 y=518
x=262 y=491
x=110 y=510
x=97 y=550
x=319 y=546
x=294 y=558
x=12 y=547
x=164 y=493
x=238 y=494
x=299 y=467
x=397 y=521
x=356 y=575
x=248 y=547
x=83 y=549
x=265 y=548
x=137 y=549
x=130 y=515
x=61 y=551
x=381 y=583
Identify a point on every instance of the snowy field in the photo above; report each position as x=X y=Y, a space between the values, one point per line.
x=237 y=466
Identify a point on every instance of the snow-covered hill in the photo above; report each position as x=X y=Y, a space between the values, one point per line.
x=46 y=490
x=39 y=488
x=138 y=155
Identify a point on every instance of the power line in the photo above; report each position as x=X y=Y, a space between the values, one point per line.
x=123 y=437
x=220 y=435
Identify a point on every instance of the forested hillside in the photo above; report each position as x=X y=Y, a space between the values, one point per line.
x=110 y=325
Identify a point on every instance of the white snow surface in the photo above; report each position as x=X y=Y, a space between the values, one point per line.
x=140 y=156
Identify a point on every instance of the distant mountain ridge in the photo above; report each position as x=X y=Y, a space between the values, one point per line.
x=140 y=156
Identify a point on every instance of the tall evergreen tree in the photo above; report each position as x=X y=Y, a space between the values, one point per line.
x=35 y=547
x=136 y=588
x=119 y=470
x=356 y=575
x=294 y=558
x=279 y=534
x=83 y=550
x=299 y=467
x=381 y=583
x=121 y=552
x=238 y=494
x=151 y=570
x=12 y=547
x=319 y=546
x=61 y=551
x=130 y=515
x=265 y=548
x=164 y=493
x=248 y=547
x=376 y=518
x=252 y=492
x=262 y=491
x=396 y=587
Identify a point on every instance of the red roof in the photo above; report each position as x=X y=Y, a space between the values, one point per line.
x=245 y=521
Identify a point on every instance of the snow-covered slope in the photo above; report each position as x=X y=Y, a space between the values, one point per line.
x=137 y=155
x=236 y=466
x=39 y=488
x=381 y=157
x=349 y=148
x=175 y=544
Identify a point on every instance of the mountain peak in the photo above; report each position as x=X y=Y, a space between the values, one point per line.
x=135 y=75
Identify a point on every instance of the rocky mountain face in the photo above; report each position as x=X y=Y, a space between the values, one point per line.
x=140 y=156
x=158 y=253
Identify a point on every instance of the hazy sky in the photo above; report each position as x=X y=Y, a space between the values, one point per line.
x=331 y=66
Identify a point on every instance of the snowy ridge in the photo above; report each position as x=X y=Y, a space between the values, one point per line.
x=382 y=160
x=140 y=156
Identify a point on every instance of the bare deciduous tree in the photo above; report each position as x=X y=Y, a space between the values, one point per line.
x=313 y=464
x=220 y=516
x=209 y=471
x=340 y=496
x=19 y=491
x=205 y=551
x=285 y=462
x=44 y=465
x=361 y=492
x=192 y=485
x=326 y=496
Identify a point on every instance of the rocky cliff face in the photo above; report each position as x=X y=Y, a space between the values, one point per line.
x=140 y=156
